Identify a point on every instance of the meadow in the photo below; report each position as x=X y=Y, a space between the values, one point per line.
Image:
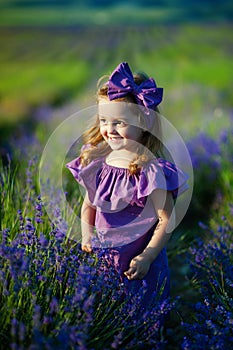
x=52 y=296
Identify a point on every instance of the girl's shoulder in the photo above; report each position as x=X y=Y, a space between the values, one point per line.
x=76 y=165
x=160 y=173
x=157 y=164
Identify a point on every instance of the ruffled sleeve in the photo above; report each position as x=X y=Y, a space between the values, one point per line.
x=85 y=176
x=162 y=174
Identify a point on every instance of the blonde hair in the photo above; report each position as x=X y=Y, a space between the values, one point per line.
x=150 y=144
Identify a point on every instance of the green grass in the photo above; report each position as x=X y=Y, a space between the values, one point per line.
x=58 y=15
x=24 y=86
x=56 y=65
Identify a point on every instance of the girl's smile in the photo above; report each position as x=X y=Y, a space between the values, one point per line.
x=115 y=141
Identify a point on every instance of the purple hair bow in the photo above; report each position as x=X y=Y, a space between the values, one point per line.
x=121 y=82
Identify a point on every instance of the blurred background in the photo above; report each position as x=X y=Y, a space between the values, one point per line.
x=54 y=51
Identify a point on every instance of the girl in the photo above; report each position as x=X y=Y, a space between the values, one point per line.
x=130 y=192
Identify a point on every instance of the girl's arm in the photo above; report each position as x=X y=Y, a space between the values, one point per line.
x=139 y=266
x=88 y=213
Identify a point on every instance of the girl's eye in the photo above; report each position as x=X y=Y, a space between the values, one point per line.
x=117 y=123
x=103 y=121
x=120 y=123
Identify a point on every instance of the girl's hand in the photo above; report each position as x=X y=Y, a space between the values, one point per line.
x=138 y=268
x=87 y=248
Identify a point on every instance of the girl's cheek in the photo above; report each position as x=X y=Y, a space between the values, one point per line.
x=102 y=131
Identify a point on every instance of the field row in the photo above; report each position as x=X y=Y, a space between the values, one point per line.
x=58 y=15
x=56 y=65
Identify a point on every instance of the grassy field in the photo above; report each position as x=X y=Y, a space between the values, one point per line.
x=82 y=16
x=115 y=13
x=51 y=66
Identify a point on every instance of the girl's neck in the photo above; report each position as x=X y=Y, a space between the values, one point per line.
x=120 y=158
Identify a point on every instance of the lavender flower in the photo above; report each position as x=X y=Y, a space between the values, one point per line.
x=211 y=264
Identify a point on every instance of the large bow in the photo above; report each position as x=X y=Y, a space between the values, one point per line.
x=121 y=82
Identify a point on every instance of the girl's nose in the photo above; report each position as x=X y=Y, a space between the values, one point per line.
x=112 y=128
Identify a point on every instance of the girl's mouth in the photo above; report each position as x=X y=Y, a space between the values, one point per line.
x=115 y=139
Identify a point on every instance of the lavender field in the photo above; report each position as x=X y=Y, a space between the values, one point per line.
x=54 y=296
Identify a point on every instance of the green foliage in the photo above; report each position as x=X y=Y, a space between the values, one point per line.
x=55 y=12
x=26 y=85
x=54 y=66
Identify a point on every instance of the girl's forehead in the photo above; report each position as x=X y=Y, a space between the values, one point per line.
x=113 y=109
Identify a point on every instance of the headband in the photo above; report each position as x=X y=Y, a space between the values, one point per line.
x=121 y=82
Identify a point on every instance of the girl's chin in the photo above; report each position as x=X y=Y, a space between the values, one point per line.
x=116 y=144
x=116 y=147
x=120 y=144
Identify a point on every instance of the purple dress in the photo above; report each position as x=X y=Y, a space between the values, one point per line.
x=125 y=216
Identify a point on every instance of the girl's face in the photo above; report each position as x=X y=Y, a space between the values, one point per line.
x=118 y=125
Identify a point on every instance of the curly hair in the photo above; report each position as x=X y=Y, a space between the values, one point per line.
x=150 y=145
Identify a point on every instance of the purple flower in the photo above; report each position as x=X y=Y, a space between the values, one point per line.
x=117 y=341
x=54 y=306
x=43 y=240
x=202 y=225
x=211 y=266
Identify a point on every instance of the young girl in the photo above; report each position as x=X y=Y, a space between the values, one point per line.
x=130 y=191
